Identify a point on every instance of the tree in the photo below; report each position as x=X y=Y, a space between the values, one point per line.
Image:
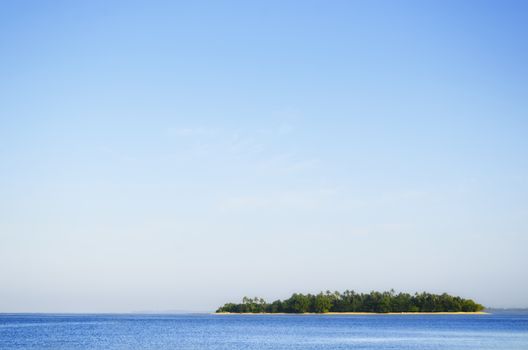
x=322 y=303
x=298 y=303
x=351 y=301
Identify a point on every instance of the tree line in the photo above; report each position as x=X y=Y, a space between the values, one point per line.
x=350 y=301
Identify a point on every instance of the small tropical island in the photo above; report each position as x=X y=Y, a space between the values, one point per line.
x=352 y=302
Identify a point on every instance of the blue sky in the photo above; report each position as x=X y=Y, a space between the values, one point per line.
x=176 y=155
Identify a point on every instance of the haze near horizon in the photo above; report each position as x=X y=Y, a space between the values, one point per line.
x=175 y=156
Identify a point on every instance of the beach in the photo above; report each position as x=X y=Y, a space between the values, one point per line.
x=353 y=313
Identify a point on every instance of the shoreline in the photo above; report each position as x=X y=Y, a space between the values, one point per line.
x=353 y=313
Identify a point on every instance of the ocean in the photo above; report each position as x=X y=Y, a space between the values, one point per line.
x=270 y=332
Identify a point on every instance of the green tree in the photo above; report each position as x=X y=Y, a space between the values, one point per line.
x=322 y=303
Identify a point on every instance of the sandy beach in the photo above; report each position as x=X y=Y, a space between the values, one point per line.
x=355 y=313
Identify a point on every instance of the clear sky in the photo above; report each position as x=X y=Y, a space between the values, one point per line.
x=164 y=155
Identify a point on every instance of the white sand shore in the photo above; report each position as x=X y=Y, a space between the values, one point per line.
x=356 y=313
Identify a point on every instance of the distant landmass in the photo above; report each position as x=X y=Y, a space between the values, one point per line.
x=520 y=311
x=350 y=301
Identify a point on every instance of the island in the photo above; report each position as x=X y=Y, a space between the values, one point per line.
x=352 y=302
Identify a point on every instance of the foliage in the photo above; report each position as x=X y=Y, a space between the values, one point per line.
x=350 y=301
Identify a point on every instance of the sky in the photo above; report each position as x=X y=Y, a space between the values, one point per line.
x=164 y=155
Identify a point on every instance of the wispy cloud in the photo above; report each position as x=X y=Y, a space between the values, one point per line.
x=284 y=129
x=287 y=162
x=263 y=149
x=292 y=200
x=192 y=131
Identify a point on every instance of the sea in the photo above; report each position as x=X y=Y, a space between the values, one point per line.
x=270 y=332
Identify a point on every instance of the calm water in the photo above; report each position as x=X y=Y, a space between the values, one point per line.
x=505 y=332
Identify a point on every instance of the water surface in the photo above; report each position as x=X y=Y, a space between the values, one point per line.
x=161 y=332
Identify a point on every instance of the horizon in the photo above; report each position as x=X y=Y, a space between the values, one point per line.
x=204 y=311
x=177 y=156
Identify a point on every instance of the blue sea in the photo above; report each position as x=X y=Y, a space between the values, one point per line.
x=423 y=332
